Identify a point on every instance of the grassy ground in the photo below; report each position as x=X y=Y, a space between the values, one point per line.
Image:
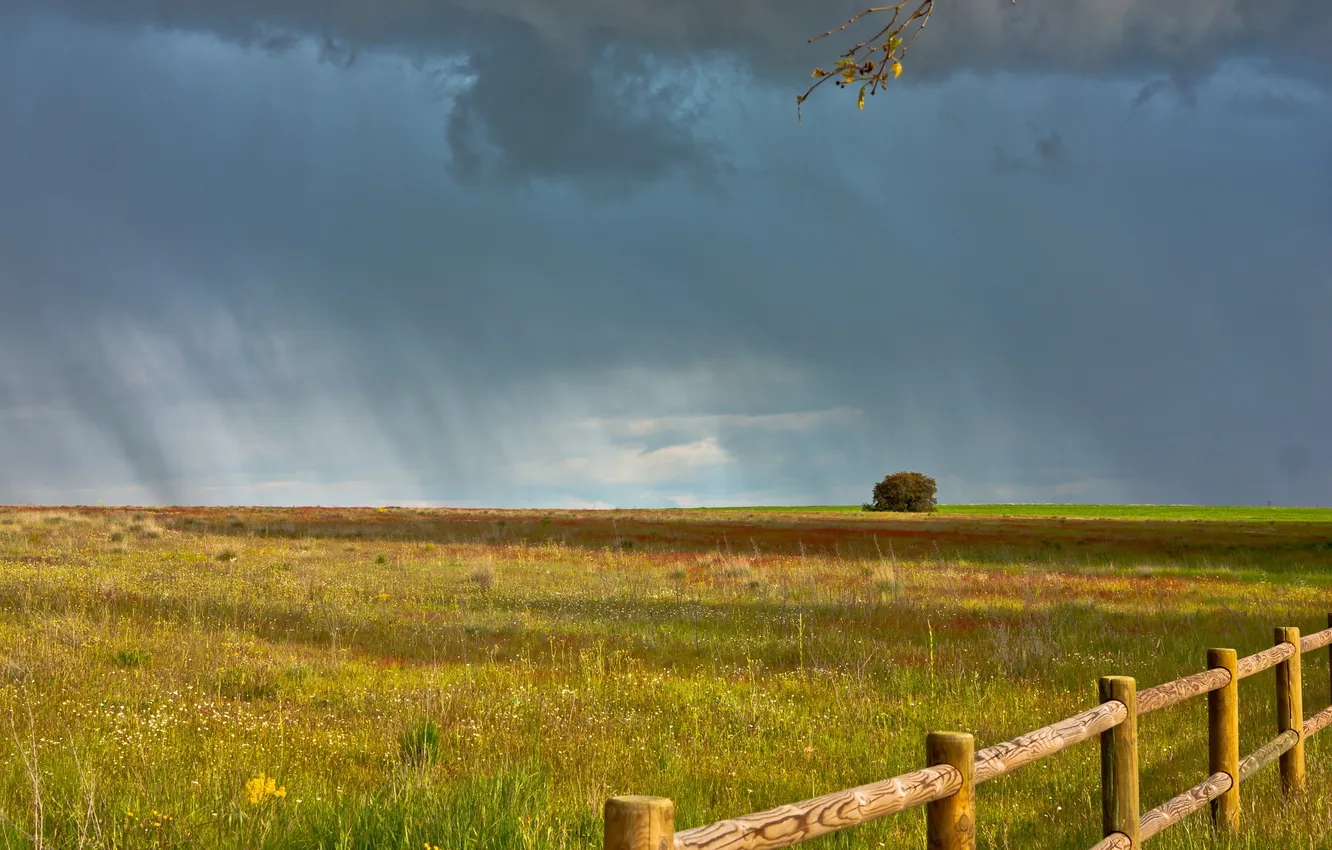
x=470 y=679
x=1170 y=512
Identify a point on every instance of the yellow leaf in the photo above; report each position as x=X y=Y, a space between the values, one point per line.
x=897 y=69
x=819 y=72
x=849 y=76
x=860 y=102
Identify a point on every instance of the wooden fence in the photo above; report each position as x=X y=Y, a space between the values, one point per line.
x=947 y=786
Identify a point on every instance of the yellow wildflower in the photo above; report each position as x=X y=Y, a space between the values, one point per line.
x=261 y=787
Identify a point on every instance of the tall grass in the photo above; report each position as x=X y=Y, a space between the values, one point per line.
x=403 y=691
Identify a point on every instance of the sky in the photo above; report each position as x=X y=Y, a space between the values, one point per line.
x=581 y=253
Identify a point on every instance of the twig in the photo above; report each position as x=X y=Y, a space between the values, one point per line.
x=872 y=70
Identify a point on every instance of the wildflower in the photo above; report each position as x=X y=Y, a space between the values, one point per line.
x=262 y=787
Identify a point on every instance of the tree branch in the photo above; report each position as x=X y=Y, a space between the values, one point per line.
x=878 y=59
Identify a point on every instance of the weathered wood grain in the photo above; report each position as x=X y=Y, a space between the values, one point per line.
x=1177 y=808
x=1223 y=739
x=1118 y=841
x=1317 y=640
x=1260 y=661
x=1267 y=753
x=950 y=823
x=1119 y=760
x=791 y=824
x=639 y=823
x=1173 y=693
x=1318 y=722
x=1002 y=759
x=1290 y=710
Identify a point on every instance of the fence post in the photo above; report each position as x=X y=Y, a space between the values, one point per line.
x=950 y=823
x=1223 y=738
x=639 y=823
x=1290 y=710
x=1119 y=761
x=1329 y=652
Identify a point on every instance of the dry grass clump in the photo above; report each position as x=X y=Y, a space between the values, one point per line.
x=482 y=577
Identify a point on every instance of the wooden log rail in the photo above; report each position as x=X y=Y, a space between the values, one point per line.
x=791 y=824
x=1268 y=658
x=948 y=789
x=1173 y=693
x=1170 y=812
x=1318 y=722
x=1175 y=809
x=1003 y=759
x=1268 y=753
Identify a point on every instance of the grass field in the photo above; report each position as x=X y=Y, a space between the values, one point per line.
x=1170 y=512
x=485 y=679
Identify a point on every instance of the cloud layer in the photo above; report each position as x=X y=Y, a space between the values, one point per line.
x=590 y=89
x=483 y=254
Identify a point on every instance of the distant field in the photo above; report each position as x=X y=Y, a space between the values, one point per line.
x=1234 y=513
x=484 y=679
x=1171 y=512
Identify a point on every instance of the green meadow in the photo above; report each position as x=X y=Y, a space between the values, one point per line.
x=324 y=678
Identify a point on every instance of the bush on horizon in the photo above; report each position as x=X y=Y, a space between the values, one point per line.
x=904 y=492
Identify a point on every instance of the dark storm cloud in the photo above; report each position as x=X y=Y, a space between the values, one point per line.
x=1085 y=35
x=503 y=127
x=542 y=107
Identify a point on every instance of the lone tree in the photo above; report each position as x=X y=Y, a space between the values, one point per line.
x=877 y=59
x=906 y=492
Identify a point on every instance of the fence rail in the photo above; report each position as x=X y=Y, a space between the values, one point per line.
x=947 y=786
